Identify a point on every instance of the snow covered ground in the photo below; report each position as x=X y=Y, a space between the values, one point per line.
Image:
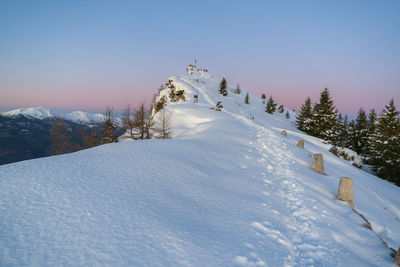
x=227 y=190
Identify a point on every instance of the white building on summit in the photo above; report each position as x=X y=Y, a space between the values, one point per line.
x=191 y=69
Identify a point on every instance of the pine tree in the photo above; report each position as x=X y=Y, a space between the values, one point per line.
x=222 y=87
x=325 y=117
x=271 y=106
x=360 y=140
x=342 y=125
x=281 y=109
x=109 y=134
x=303 y=119
x=237 y=90
x=263 y=97
x=351 y=133
x=246 y=99
x=372 y=121
x=386 y=148
x=287 y=115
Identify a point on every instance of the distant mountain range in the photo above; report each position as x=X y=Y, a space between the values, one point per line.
x=25 y=132
x=80 y=117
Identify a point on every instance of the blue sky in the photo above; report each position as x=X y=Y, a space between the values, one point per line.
x=90 y=54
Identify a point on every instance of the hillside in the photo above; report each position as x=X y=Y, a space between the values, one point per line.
x=42 y=113
x=226 y=190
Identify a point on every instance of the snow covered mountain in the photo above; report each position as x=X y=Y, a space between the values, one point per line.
x=45 y=113
x=227 y=190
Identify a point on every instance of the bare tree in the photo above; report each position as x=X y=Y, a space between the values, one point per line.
x=60 y=142
x=128 y=121
x=140 y=121
x=109 y=135
x=162 y=125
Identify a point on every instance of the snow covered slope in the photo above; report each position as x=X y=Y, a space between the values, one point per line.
x=226 y=191
x=44 y=113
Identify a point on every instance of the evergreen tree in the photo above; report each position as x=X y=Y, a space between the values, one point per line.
x=351 y=133
x=222 y=87
x=109 y=134
x=342 y=125
x=303 y=119
x=386 y=148
x=281 y=109
x=287 y=115
x=360 y=140
x=246 y=99
x=325 y=117
x=271 y=106
x=372 y=121
x=237 y=90
x=263 y=97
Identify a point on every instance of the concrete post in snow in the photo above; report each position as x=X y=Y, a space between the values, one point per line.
x=345 y=191
x=318 y=164
x=284 y=133
x=300 y=143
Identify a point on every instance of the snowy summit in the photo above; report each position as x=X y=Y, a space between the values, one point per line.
x=227 y=190
x=41 y=113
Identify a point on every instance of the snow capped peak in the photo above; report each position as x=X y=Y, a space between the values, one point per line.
x=84 y=117
x=35 y=112
x=41 y=113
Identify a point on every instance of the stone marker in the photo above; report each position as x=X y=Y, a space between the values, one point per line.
x=318 y=164
x=345 y=191
x=284 y=133
x=300 y=143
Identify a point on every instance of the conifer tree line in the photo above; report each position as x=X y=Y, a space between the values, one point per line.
x=375 y=138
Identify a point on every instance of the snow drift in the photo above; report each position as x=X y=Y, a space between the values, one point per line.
x=229 y=189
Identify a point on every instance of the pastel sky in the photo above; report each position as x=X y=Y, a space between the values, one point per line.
x=92 y=54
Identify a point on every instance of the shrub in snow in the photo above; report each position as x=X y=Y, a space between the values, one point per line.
x=284 y=133
x=281 y=109
x=271 y=106
x=287 y=115
x=160 y=104
x=246 y=99
x=175 y=95
x=237 y=90
x=222 y=87
x=345 y=191
x=218 y=106
x=318 y=164
x=263 y=97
